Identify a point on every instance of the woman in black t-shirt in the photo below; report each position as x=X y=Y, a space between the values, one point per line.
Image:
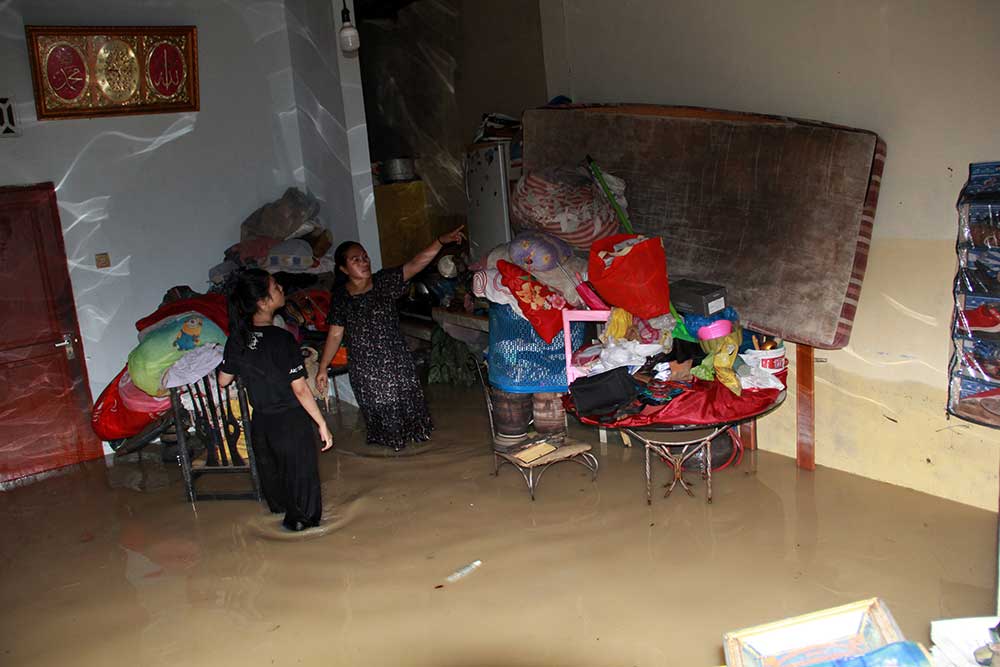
x=270 y=364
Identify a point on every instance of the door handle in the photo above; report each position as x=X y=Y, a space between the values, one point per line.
x=67 y=342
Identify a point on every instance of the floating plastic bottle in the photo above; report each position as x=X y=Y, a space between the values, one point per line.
x=463 y=572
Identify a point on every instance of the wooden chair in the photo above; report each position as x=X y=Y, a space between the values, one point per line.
x=216 y=426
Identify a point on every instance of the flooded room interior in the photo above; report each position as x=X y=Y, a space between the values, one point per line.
x=544 y=332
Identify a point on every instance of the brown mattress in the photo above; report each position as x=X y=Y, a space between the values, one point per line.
x=778 y=210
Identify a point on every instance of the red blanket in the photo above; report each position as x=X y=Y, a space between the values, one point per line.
x=705 y=403
x=212 y=306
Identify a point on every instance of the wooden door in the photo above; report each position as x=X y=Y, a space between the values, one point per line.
x=45 y=399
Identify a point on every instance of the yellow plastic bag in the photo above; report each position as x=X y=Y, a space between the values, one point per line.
x=618 y=324
x=725 y=349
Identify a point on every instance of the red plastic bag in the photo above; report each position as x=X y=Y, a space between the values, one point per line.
x=313 y=304
x=111 y=420
x=636 y=281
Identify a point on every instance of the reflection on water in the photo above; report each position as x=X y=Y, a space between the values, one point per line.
x=337 y=515
x=588 y=574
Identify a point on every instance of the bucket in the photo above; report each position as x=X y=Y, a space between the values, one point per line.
x=511 y=413
x=549 y=413
x=716 y=329
x=397 y=170
x=772 y=361
x=509 y=443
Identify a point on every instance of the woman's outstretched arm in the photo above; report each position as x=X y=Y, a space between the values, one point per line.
x=424 y=257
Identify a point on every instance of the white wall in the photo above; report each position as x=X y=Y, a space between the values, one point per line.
x=322 y=117
x=165 y=194
x=920 y=74
x=357 y=142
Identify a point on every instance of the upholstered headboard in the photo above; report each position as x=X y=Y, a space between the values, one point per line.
x=778 y=210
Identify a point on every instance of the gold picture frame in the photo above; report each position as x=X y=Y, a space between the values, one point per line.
x=87 y=71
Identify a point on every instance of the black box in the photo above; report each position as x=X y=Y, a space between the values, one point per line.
x=692 y=296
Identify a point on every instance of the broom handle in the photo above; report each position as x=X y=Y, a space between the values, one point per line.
x=622 y=217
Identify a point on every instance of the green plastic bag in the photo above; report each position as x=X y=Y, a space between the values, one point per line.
x=680 y=331
x=706 y=369
x=167 y=342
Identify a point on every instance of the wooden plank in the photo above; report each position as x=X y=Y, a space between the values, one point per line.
x=477 y=322
x=805 y=409
x=748 y=434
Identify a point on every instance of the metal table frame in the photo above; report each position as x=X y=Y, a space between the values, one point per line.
x=676 y=461
x=527 y=470
x=580 y=455
x=688 y=447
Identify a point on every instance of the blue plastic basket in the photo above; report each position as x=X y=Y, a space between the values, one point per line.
x=520 y=362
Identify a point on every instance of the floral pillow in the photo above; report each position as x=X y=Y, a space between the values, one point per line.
x=540 y=305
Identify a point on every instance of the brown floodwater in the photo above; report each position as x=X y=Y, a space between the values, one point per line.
x=95 y=573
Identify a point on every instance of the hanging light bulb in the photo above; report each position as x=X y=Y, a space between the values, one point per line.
x=350 y=40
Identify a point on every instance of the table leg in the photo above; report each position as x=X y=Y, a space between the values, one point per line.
x=677 y=463
x=649 y=478
x=708 y=468
x=805 y=409
x=748 y=434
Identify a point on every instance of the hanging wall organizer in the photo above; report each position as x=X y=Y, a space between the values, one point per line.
x=974 y=371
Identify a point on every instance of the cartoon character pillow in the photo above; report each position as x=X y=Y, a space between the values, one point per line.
x=187 y=337
x=539 y=304
x=165 y=343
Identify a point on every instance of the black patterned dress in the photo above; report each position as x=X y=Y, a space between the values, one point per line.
x=382 y=372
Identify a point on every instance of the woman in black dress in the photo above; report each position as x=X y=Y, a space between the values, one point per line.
x=363 y=315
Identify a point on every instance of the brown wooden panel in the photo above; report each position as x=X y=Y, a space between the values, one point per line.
x=42 y=426
x=748 y=434
x=778 y=210
x=805 y=407
x=45 y=400
x=25 y=290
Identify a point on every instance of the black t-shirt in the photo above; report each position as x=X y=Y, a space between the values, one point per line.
x=267 y=367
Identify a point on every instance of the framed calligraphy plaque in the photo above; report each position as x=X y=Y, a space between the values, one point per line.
x=88 y=71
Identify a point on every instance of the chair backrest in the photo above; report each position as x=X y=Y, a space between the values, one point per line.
x=219 y=429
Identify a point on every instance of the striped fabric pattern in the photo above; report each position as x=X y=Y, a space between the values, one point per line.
x=850 y=306
x=565 y=204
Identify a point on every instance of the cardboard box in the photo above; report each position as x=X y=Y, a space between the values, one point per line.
x=692 y=296
x=851 y=630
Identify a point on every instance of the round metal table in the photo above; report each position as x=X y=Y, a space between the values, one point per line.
x=689 y=448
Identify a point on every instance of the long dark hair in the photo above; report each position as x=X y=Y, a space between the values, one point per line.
x=244 y=289
x=340 y=260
